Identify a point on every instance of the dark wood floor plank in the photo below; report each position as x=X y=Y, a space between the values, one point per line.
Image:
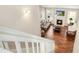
x=63 y=43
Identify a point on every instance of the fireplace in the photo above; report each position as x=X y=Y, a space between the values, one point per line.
x=59 y=22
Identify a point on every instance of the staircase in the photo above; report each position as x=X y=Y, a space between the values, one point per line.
x=15 y=41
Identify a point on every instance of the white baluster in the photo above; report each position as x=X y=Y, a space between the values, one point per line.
x=1 y=44
x=6 y=45
x=37 y=48
x=18 y=47
x=27 y=47
x=33 y=49
x=42 y=47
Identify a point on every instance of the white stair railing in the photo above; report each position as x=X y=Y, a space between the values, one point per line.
x=37 y=44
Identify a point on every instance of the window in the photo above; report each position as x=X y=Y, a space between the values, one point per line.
x=71 y=16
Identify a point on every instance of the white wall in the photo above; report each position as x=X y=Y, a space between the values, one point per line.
x=76 y=44
x=13 y=17
x=54 y=17
x=63 y=18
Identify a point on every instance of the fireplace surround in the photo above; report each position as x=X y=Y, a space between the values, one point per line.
x=59 y=22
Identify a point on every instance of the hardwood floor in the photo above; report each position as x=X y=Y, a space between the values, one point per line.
x=63 y=43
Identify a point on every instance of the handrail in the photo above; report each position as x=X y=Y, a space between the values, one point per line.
x=8 y=32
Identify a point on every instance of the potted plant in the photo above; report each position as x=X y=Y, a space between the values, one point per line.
x=71 y=23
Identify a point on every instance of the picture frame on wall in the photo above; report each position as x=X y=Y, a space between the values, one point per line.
x=60 y=12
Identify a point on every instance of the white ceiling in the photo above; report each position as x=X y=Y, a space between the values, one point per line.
x=61 y=6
